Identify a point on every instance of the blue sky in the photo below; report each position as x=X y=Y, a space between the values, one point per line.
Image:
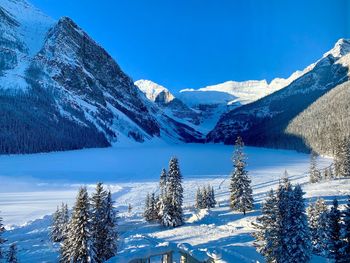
x=194 y=43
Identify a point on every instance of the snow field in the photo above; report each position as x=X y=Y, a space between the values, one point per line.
x=135 y=172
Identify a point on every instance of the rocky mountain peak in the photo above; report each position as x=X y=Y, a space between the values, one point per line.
x=341 y=48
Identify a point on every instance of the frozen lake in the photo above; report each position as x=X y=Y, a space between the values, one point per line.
x=32 y=185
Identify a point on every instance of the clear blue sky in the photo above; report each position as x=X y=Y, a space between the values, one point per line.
x=194 y=43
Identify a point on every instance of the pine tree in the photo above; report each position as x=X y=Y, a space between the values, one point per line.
x=151 y=212
x=342 y=158
x=314 y=173
x=111 y=242
x=56 y=233
x=205 y=198
x=162 y=182
x=166 y=211
x=172 y=214
x=313 y=222
x=299 y=245
x=282 y=231
x=267 y=228
x=98 y=226
x=212 y=197
x=2 y=240
x=321 y=212
x=334 y=233
x=147 y=210
x=346 y=233
x=199 y=199
x=318 y=221
x=64 y=220
x=154 y=207
x=241 y=198
x=11 y=256
x=59 y=223
x=284 y=197
x=157 y=208
x=78 y=246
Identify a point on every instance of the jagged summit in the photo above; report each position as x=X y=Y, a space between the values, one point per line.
x=154 y=91
x=341 y=48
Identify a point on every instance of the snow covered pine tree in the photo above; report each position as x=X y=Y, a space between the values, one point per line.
x=335 y=243
x=318 y=221
x=314 y=173
x=59 y=223
x=282 y=230
x=342 y=158
x=78 y=246
x=267 y=236
x=199 y=199
x=299 y=245
x=241 y=198
x=111 y=243
x=205 y=198
x=98 y=216
x=151 y=208
x=171 y=207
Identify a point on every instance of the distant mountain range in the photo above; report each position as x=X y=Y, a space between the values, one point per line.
x=60 y=90
x=204 y=106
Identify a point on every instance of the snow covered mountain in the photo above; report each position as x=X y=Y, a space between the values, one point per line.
x=264 y=122
x=154 y=91
x=203 y=107
x=241 y=92
x=60 y=90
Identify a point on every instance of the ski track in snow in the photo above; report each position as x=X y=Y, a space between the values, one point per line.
x=33 y=185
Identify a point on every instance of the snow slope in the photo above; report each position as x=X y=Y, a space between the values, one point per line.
x=24 y=38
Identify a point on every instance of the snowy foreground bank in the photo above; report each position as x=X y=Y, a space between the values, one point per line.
x=32 y=186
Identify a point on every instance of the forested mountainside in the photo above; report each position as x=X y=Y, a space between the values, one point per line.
x=325 y=121
x=264 y=122
x=60 y=90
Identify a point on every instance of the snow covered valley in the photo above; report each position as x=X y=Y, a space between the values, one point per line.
x=33 y=185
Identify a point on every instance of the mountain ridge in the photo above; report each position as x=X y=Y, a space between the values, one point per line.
x=73 y=93
x=263 y=122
